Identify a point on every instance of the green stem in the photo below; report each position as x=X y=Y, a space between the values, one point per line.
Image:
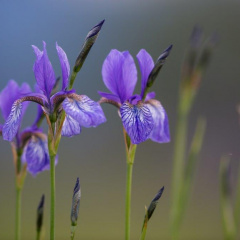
x=128 y=200
x=143 y=234
x=178 y=167
x=52 y=211
x=131 y=150
x=18 y=213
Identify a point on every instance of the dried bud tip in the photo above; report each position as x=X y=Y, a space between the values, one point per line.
x=165 y=53
x=75 y=203
x=154 y=203
x=158 y=195
x=41 y=204
x=95 y=30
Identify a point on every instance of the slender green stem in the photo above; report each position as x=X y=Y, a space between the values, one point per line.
x=128 y=200
x=18 y=213
x=52 y=211
x=143 y=235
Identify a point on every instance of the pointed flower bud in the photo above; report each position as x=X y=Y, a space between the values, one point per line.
x=154 y=203
x=158 y=65
x=40 y=215
x=75 y=203
x=149 y=212
x=89 y=41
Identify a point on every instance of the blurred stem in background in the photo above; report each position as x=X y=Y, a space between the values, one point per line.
x=194 y=66
x=237 y=202
x=230 y=212
x=229 y=225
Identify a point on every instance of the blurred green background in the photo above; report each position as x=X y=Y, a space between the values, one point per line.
x=97 y=156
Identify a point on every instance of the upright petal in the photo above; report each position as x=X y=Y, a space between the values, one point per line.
x=64 y=66
x=70 y=127
x=146 y=65
x=160 y=132
x=84 y=110
x=35 y=154
x=39 y=108
x=137 y=121
x=43 y=71
x=13 y=121
x=120 y=74
x=10 y=94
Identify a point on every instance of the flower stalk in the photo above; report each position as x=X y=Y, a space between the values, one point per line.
x=130 y=155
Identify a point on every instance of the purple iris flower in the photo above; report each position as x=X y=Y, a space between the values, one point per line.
x=143 y=117
x=31 y=140
x=80 y=110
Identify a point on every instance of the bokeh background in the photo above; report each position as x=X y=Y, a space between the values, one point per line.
x=97 y=156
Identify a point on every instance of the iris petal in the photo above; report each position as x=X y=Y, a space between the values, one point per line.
x=36 y=154
x=137 y=121
x=10 y=94
x=120 y=74
x=43 y=71
x=146 y=65
x=70 y=127
x=13 y=122
x=84 y=110
x=160 y=131
x=64 y=66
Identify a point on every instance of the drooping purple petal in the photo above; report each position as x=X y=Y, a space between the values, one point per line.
x=160 y=132
x=120 y=74
x=137 y=121
x=64 y=66
x=35 y=154
x=110 y=96
x=10 y=94
x=146 y=65
x=70 y=127
x=43 y=71
x=84 y=110
x=13 y=121
x=58 y=97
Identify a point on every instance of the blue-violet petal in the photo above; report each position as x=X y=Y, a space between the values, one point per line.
x=64 y=66
x=160 y=131
x=137 y=121
x=84 y=110
x=70 y=127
